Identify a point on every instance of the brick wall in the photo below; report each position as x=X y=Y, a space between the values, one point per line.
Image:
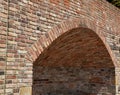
x=31 y=21
x=3 y=43
x=78 y=58
x=73 y=81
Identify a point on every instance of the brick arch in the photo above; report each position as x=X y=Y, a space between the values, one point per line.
x=45 y=40
x=78 y=62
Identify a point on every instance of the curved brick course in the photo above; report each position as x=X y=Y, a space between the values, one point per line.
x=27 y=27
x=75 y=63
x=35 y=50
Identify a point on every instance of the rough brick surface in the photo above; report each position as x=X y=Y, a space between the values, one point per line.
x=3 y=43
x=75 y=63
x=27 y=27
x=73 y=81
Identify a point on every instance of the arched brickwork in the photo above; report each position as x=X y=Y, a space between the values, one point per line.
x=45 y=40
x=28 y=27
x=78 y=44
x=34 y=53
x=77 y=62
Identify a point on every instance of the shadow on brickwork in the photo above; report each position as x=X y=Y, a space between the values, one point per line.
x=76 y=63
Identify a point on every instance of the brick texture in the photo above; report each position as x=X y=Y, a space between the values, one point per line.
x=3 y=43
x=28 y=27
x=75 y=63
x=73 y=81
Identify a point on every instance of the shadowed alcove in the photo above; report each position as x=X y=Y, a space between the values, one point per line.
x=76 y=63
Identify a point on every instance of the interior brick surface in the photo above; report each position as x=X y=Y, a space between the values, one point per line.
x=76 y=63
x=73 y=81
x=28 y=27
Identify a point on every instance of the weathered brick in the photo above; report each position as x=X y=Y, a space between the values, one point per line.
x=3 y=15
x=29 y=20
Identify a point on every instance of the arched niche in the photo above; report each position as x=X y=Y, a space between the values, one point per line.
x=75 y=63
